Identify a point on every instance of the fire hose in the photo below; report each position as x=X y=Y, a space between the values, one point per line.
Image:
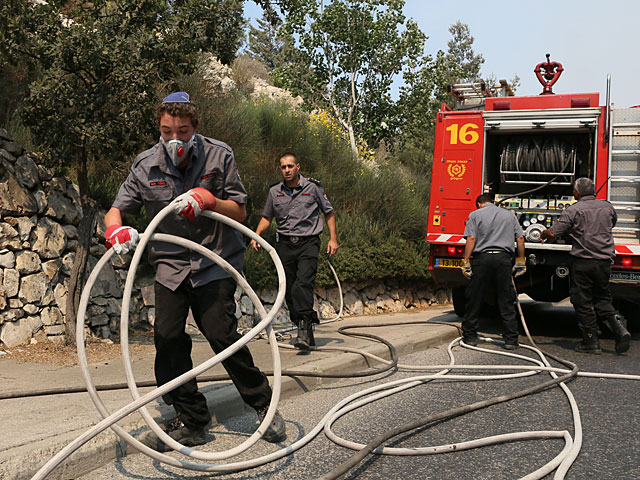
x=561 y=462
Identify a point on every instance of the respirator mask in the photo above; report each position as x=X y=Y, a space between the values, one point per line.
x=177 y=149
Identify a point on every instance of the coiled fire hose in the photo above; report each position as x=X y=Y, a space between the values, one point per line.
x=561 y=462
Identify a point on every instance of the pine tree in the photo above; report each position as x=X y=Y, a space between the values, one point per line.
x=267 y=44
x=460 y=48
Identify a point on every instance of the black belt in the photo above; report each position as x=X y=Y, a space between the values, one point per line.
x=292 y=238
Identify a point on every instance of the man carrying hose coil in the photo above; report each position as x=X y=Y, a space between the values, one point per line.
x=492 y=234
x=201 y=174
x=589 y=223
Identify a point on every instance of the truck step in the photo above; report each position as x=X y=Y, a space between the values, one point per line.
x=626 y=125
x=625 y=178
x=625 y=152
x=626 y=133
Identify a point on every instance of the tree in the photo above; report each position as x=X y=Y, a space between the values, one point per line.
x=14 y=79
x=423 y=93
x=346 y=55
x=103 y=65
x=460 y=49
x=268 y=44
x=220 y=25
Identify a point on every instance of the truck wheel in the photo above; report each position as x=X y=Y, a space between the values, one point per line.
x=459 y=301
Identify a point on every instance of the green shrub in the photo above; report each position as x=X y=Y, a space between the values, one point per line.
x=245 y=70
x=381 y=212
x=367 y=252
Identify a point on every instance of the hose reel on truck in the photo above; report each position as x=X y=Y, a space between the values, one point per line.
x=531 y=150
x=532 y=160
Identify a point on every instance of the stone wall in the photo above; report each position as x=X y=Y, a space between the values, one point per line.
x=365 y=298
x=39 y=215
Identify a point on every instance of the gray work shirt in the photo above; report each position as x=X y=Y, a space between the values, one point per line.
x=297 y=210
x=154 y=182
x=495 y=228
x=589 y=223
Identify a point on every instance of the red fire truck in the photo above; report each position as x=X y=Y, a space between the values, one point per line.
x=526 y=151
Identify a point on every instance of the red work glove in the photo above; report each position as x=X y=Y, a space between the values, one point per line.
x=192 y=203
x=122 y=239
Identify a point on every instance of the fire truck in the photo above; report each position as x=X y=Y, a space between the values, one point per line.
x=526 y=151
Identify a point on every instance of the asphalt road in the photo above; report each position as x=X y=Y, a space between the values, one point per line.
x=609 y=411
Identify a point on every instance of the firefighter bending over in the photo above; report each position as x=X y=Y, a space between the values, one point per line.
x=589 y=223
x=492 y=233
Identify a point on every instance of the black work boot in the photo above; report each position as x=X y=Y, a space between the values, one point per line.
x=616 y=324
x=312 y=340
x=276 y=432
x=590 y=342
x=303 y=340
x=187 y=436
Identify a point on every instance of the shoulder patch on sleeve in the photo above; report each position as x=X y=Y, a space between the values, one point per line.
x=217 y=143
x=145 y=154
x=313 y=180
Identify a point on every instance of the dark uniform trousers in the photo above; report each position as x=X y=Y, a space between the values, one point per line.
x=491 y=269
x=589 y=290
x=300 y=261
x=213 y=307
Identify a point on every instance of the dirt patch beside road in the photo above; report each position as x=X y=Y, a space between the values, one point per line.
x=98 y=350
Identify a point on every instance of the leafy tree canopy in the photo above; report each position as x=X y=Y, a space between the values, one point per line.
x=346 y=57
x=424 y=92
x=103 y=65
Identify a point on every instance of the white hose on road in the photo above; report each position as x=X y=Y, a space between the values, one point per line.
x=139 y=402
x=561 y=462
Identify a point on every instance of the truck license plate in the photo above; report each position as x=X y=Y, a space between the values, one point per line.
x=448 y=262
x=630 y=276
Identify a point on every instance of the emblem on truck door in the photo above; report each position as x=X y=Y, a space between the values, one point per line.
x=456 y=169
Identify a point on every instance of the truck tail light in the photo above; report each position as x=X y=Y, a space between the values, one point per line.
x=447 y=250
x=627 y=261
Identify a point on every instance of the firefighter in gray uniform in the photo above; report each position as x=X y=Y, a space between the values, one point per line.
x=200 y=174
x=296 y=203
x=492 y=234
x=589 y=223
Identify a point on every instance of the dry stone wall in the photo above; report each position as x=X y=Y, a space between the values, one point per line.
x=39 y=215
x=365 y=298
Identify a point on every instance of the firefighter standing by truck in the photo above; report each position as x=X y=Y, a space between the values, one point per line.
x=589 y=223
x=491 y=233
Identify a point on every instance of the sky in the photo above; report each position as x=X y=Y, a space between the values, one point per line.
x=590 y=38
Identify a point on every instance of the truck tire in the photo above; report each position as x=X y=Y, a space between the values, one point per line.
x=459 y=301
